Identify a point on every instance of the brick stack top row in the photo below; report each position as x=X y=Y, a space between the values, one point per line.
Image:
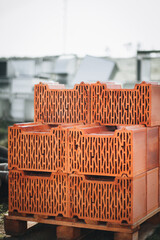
x=103 y=103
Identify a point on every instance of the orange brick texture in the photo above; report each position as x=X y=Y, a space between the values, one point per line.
x=93 y=152
x=125 y=106
x=77 y=196
x=37 y=147
x=121 y=200
x=107 y=153
x=39 y=195
x=84 y=149
x=98 y=103
x=62 y=105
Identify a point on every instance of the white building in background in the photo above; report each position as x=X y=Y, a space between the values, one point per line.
x=17 y=80
x=22 y=98
x=65 y=69
x=19 y=75
x=93 y=69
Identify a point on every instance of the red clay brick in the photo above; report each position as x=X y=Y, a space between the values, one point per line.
x=120 y=200
x=38 y=147
x=152 y=190
x=152 y=147
x=45 y=195
x=62 y=105
x=107 y=153
x=125 y=106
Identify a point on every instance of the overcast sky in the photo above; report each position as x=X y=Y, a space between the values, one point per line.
x=95 y=27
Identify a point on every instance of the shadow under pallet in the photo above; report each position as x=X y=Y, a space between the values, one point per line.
x=17 y=224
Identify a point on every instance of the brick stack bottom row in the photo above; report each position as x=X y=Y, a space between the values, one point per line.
x=96 y=173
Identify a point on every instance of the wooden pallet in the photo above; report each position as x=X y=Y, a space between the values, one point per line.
x=15 y=225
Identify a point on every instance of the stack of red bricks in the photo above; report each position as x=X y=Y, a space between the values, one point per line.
x=93 y=152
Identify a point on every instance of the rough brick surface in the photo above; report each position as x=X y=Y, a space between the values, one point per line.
x=107 y=153
x=38 y=147
x=42 y=195
x=120 y=200
x=125 y=106
x=62 y=105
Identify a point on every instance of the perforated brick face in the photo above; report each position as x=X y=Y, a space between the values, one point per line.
x=96 y=103
x=125 y=106
x=119 y=153
x=38 y=194
x=37 y=151
x=101 y=201
x=62 y=105
x=108 y=200
x=95 y=154
x=70 y=148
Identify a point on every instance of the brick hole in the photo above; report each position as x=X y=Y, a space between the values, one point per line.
x=37 y=173
x=100 y=178
x=124 y=222
x=60 y=215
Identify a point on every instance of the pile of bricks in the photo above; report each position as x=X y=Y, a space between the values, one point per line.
x=93 y=152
